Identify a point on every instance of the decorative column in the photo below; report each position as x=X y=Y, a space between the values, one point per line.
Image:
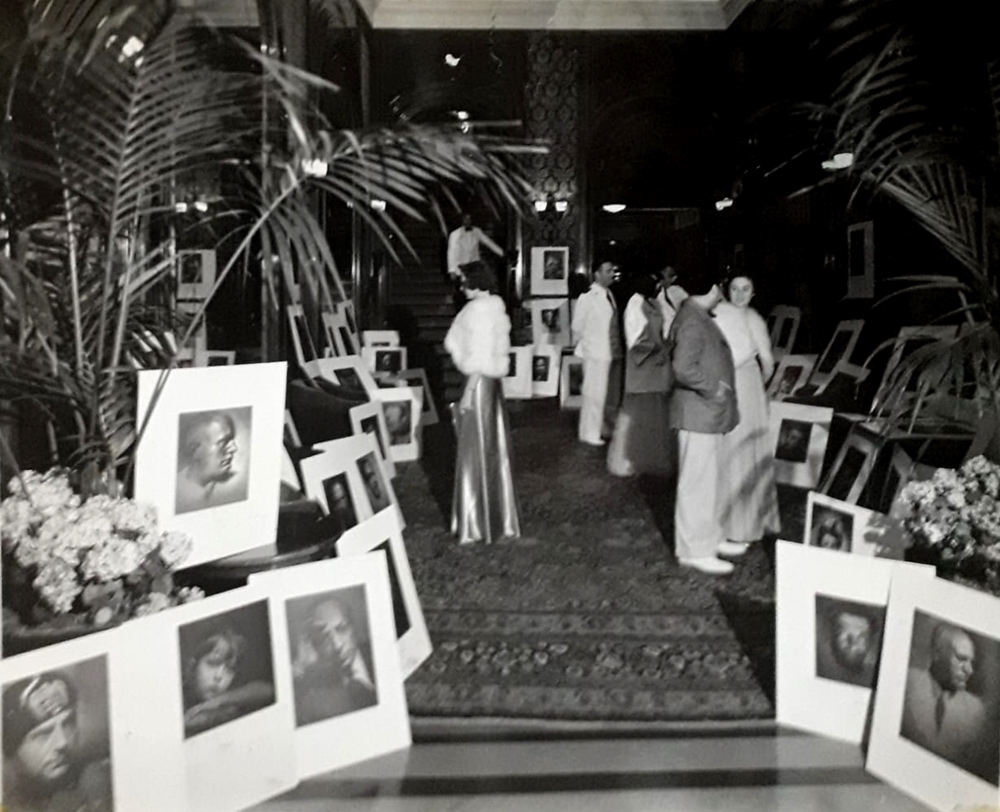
x=553 y=115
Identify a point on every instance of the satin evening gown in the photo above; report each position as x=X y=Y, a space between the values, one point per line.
x=484 y=505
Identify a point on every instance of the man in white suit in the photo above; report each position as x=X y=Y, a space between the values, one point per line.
x=598 y=337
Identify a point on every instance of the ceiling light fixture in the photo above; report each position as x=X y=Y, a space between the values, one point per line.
x=725 y=203
x=842 y=160
x=613 y=208
x=451 y=60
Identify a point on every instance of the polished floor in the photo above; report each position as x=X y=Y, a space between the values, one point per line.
x=481 y=767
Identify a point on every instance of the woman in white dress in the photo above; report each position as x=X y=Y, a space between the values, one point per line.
x=484 y=505
x=748 y=496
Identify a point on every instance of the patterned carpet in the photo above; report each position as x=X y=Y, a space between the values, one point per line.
x=588 y=616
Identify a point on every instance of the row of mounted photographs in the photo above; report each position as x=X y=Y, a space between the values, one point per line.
x=883 y=654
x=222 y=703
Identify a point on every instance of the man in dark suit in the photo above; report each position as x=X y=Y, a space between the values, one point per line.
x=702 y=409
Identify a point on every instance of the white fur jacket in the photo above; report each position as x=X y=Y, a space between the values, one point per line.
x=479 y=338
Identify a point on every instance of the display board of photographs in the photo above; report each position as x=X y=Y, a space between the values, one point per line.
x=550 y=321
x=402 y=406
x=369 y=418
x=839 y=348
x=550 y=270
x=852 y=466
x=303 y=344
x=832 y=524
x=334 y=629
x=350 y=371
x=369 y=485
x=935 y=730
x=384 y=361
x=783 y=324
x=517 y=384
x=417 y=378
x=830 y=618
x=382 y=532
x=545 y=368
x=571 y=382
x=209 y=459
x=800 y=434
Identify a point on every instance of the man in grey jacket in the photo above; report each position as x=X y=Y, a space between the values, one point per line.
x=702 y=409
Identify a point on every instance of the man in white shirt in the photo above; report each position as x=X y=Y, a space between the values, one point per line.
x=670 y=297
x=598 y=338
x=463 y=246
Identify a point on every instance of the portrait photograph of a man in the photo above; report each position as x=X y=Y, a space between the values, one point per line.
x=848 y=640
x=330 y=648
x=339 y=502
x=951 y=704
x=554 y=264
x=399 y=421
x=540 y=368
x=371 y=476
x=226 y=667
x=56 y=741
x=213 y=458
x=793 y=441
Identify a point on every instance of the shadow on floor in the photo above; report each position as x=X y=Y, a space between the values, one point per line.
x=752 y=622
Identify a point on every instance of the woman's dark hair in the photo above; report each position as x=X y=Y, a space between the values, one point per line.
x=234 y=642
x=646 y=284
x=479 y=276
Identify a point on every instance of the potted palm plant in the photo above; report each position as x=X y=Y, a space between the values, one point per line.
x=113 y=109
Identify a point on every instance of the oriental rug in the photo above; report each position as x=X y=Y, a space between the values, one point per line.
x=587 y=617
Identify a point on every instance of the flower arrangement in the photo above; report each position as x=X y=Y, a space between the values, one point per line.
x=93 y=562
x=954 y=519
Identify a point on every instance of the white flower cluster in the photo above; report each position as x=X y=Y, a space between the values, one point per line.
x=44 y=524
x=957 y=510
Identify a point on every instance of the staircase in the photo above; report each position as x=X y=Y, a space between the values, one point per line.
x=421 y=308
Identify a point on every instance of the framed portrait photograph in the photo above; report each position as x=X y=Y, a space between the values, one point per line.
x=350 y=371
x=783 y=326
x=186 y=311
x=830 y=619
x=853 y=375
x=58 y=746
x=800 y=434
x=402 y=407
x=790 y=374
x=839 y=348
x=545 y=366
x=371 y=486
x=550 y=322
x=335 y=633
x=861 y=260
x=571 y=382
x=517 y=385
x=226 y=666
x=379 y=338
x=382 y=532
x=384 y=361
x=333 y=339
x=306 y=351
x=369 y=418
x=851 y=468
x=935 y=731
x=202 y=694
x=215 y=358
x=840 y=526
x=210 y=458
x=195 y=274
x=417 y=378
x=550 y=270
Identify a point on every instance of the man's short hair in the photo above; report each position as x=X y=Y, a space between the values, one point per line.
x=702 y=282
x=31 y=702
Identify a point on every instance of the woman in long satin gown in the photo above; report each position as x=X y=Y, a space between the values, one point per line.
x=484 y=505
x=748 y=496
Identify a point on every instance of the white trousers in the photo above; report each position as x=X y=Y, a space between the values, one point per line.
x=594 y=396
x=697 y=526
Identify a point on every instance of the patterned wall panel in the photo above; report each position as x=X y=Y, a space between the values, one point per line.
x=553 y=114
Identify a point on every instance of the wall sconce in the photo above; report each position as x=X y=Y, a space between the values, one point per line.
x=541 y=205
x=378 y=205
x=562 y=206
x=559 y=206
x=725 y=203
x=613 y=208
